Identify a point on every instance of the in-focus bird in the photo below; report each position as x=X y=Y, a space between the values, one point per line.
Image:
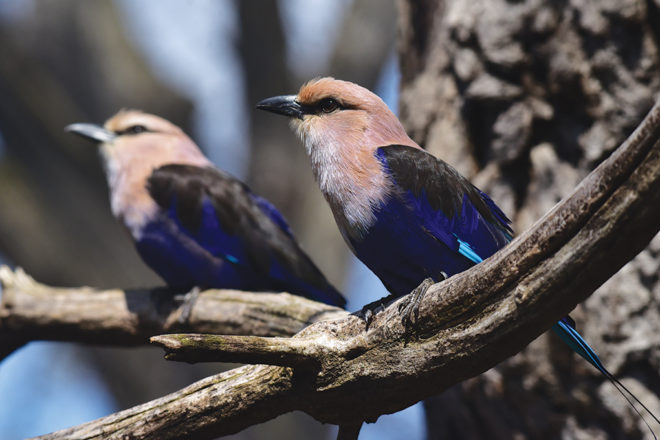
x=406 y=214
x=193 y=224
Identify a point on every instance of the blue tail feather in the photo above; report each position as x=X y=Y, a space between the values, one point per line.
x=565 y=329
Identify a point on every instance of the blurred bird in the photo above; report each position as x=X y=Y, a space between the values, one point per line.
x=193 y=224
x=410 y=217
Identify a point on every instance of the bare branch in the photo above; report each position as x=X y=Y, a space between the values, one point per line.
x=30 y=311
x=288 y=352
x=213 y=406
x=466 y=324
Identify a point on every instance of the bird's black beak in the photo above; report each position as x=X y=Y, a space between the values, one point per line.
x=283 y=105
x=91 y=131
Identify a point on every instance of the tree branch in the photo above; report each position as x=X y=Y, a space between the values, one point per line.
x=466 y=324
x=198 y=409
x=293 y=352
x=30 y=311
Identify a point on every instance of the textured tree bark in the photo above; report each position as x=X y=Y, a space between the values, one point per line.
x=209 y=408
x=527 y=97
x=341 y=373
x=33 y=311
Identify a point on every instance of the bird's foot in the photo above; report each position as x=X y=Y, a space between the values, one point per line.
x=369 y=311
x=187 y=302
x=409 y=306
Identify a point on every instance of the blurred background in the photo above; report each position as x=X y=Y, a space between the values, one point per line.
x=525 y=97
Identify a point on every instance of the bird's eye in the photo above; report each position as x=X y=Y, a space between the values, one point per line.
x=135 y=129
x=328 y=105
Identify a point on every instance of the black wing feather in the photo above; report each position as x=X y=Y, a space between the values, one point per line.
x=237 y=211
x=417 y=170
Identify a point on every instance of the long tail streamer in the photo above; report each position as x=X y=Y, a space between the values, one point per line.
x=565 y=328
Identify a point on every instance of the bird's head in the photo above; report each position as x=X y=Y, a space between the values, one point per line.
x=341 y=115
x=133 y=144
x=342 y=125
x=133 y=138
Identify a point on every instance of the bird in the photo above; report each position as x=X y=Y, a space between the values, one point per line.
x=408 y=216
x=193 y=224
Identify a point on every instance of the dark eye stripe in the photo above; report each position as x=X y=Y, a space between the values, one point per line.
x=134 y=129
x=324 y=105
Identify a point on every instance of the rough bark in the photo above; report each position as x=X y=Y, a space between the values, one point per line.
x=340 y=372
x=34 y=311
x=527 y=97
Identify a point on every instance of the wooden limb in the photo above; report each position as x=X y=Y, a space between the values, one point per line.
x=31 y=311
x=218 y=405
x=466 y=324
x=239 y=349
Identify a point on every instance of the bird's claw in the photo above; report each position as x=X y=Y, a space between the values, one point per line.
x=369 y=311
x=409 y=307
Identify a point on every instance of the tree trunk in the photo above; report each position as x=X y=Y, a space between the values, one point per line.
x=526 y=98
